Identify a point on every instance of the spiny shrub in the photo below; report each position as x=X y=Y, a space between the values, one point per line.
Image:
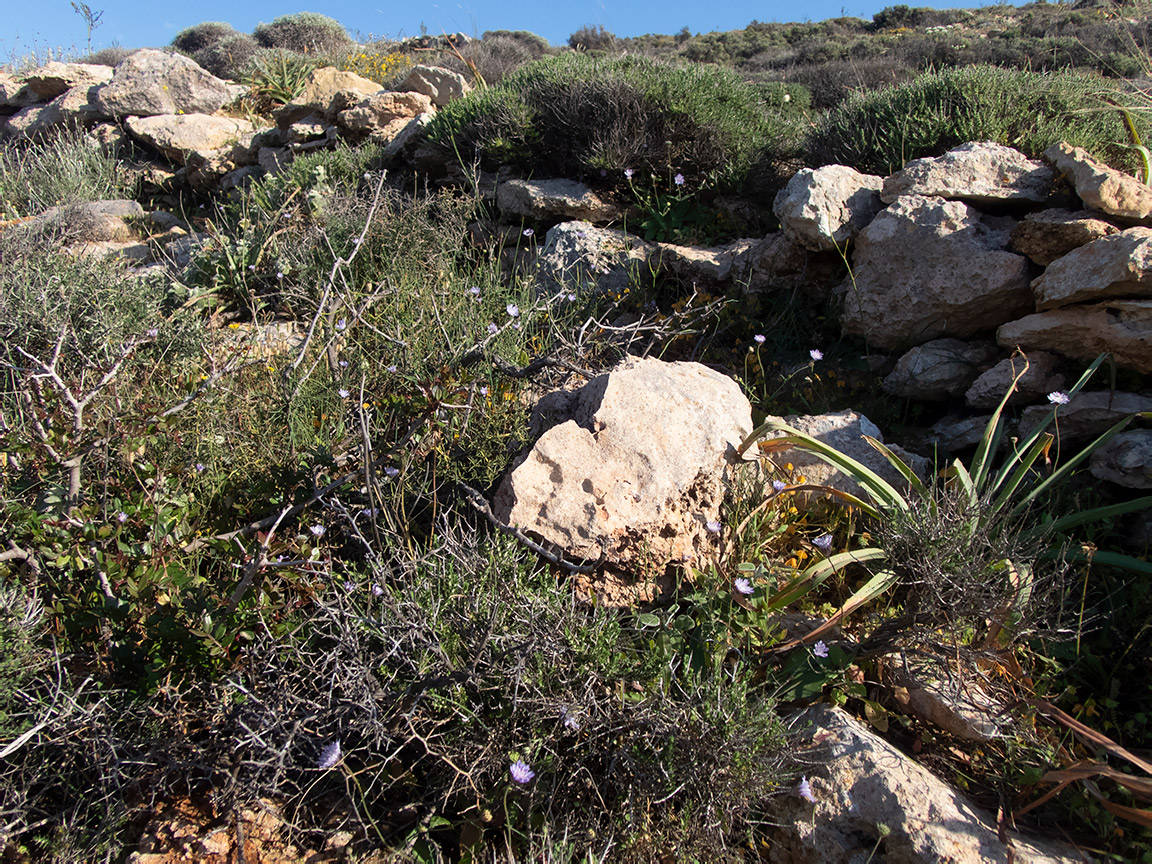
x=578 y=114
x=229 y=57
x=200 y=36
x=538 y=45
x=110 y=56
x=496 y=57
x=308 y=32
x=589 y=38
x=878 y=132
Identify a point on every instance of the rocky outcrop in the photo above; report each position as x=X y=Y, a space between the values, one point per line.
x=149 y=82
x=634 y=470
x=979 y=172
x=777 y=263
x=438 y=84
x=1038 y=380
x=1100 y=187
x=706 y=266
x=1122 y=327
x=55 y=78
x=382 y=116
x=1119 y=265
x=926 y=268
x=823 y=209
x=540 y=200
x=1087 y=415
x=327 y=92
x=1050 y=234
x=1125 y=459
x=578 y=256
x=179 y=136
x=939 y=369
x=74 y=108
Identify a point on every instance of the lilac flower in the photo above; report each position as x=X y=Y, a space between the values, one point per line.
x=823 y=543
x=200 y=466
x=370 y=512
x=571 y=719
x=329 y=756
x=341 y=324
x=713 y=527
x=153 y=333
x=803 y=790
x=603 y=172
x=1057 y=397
x=121 y=517
x=349 y=586
x=492 y=328
x=628 y=172
x=317 y=530
x=377 y=591
x=391 y=368
x=743 y=586
x=527 y=232
x=343 y=364
x=344 y=394
x=816 y=354
x=252 y=267
x=520 y=772
x=779 y=486
x=513 y=310
x=678 y=179
x=280 y=275
x=759 y=338
x=483 y=391
x=820 y=649
x=389 y=471
x=356 y=241
x=474 y=290
x=571 y=298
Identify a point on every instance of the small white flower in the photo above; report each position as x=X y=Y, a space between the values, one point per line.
x=816 y=354
x=713 y=527
x=743 y=586
x=759 y=338
x=820 y=649
x=1057 y=397
x=344 y=394
x=513 y=310
x=317 y=530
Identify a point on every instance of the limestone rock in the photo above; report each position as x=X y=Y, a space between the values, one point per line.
x=1125 y=459
x=777 y=263
x=1119 y=265
x=328 y=92
x=383 y=115
x=438 y=84
x=980 y=172
x=73 y=108
x=960 y=704
x=706 y=266
x=407 y=139
x=178 y=136
x=9 y=87
x=1089 y=414
x=859 y=780
x=578 y=256
x=55 y=78
x=639 y=466
x=94 y=222
x=553 y=199
x=1100 y=187
x=149 y=82
x=926 y=268
x=951 y=434
x=1122 y=327
x=823 y=209
x=1050 y=234
x=939 y=370
x=1040 y=379
x=843 y=430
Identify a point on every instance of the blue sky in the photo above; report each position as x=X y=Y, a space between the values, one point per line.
x=51 y=24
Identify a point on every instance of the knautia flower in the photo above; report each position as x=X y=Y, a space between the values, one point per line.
x=329 y=756
x=628 y=172
x=713 y=527
x=804 y=790
x=121 y=517
x=392 y=368
x=153 y=333
x=678 y=179
x=377 y=591
x=1057 y=397
x=823 y=543
x=820 y=649
x=513 y=310
x=571 y=719
x=527 y=232
x=483 y=391
x=779 y=486
x=317 y=530
x=743 y=586
x=200 y=467
x=492 y=328
x=280 y=275
x=343 y=364
x=474 y=290
x=816 y=354
x=389 y=471
x=252 y=267
x=341 y=324
x=520 y=772
x=356 y=241
x=344 y=394
x=571 y=298
x=759 y=338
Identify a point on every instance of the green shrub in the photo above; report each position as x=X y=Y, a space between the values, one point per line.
x=305 y=32
x=879 y=132
x=575 y=114
x=589 y=38
x=201 y=36
x=229 y=57
x=108 y=56
x=538 y=45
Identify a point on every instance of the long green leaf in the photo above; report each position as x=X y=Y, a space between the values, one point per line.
x=1113 y=559
x=1096 y=514
x=1024 y=463
x=990 y=440
x=900 y=465
x=813 y=576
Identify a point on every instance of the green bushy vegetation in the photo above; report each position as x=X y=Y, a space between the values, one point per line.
x=230 y=57
x=303 y=32
x=203 y=35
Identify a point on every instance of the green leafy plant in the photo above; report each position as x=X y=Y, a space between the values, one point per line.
x=279 y=77
x=303 y=32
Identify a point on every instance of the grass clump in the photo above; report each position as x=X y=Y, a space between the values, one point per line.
x=304 y=32
x=878 y=132
x=574 y=114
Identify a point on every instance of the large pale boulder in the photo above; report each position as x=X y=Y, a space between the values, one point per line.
x=151 y=82
x=1038 y=380
x=407 y=140
x=382 y=116
x=578 y=256
x=707 y=266
x=73 y=108
x=822 y=209
x=1119 y=265
x=10 y=85
x=181 y=136
x=1125 y=459
x=637 y=468
x=94 y=222
x=1122 y=327
x=860 y=781
x=980 y=172
x=567 y=200
x=54 y=78
x=1051 y=234
x=438 y=84
x=1100 y=187
x=327 y=92
x=939 y=370
x=926 y=268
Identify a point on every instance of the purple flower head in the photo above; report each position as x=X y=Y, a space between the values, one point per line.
x=759 y=338
x=391 y=368
x=628 y=172
x=823 y=543
x=483 y=391
x=678 y=179
x=571 y=719
x=779 y=486
x=513 y=310
x=713 y=527
x=153 y=333
x=344 y=394
x=329 y=756
x=343 y=364
x=121 y=517
x=356 y=241
x=743 y=586
x=527 y=232
x=280 y=275
x=1057 y=397
x=349 y=586
x=820 y=649
x=252 y=267
x=377 y=591
x=492 y=328
x=816 y=354
x=317 y=530
x=200 y=466
x=341 y=324
x=474 y=290
x=803 y=790
x=520 y=772
x=571 y=298
x=389 y=471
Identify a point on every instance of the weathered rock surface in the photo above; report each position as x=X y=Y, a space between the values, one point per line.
x=776 y=263
x=638 y=464
x=97 y=221
x=823 y=209
x=1119 y=265
x=9 y=87
x=178 y=136
x=553 y=199
x=578 y=256
x=1050 y=234
x=1040 y=379
x=951 y=433
x=74 y=108
x=328 y=92
x=407 y=140
x=55 y=78
x=939 y=369
x=1123 y=327
x=1089 y=414
x=960 y=704
x=843 y=430
x=979 y=171
x=706 y=266
x=1100 y=187
x=438 y=84
x=383 y=115
x=1125 y=459
x=859 y=780
x=151 y=82
x=926 y=268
